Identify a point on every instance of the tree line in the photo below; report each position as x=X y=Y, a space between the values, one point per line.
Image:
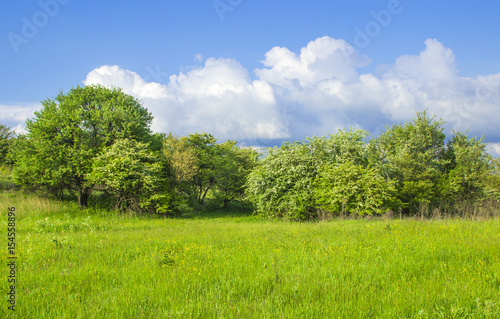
x=97 y=139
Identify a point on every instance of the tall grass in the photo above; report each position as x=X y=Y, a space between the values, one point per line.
x=73 y=264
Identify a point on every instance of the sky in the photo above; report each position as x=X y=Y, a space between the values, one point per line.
x=261 y=72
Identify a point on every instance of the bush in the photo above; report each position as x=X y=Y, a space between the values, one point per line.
x=349 y=188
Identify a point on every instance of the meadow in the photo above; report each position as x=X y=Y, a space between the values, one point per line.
x=100 y=264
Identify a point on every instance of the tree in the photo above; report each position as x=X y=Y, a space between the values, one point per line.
x=492 y=182
x=413 y=156
x=133 y=175
x=282 y=185
x=349 y=188
x=233 y=164
x=63 y=139
x=467 y=169
x=6 y=136
x=205 y=148
x=183 y=162
x=201 y=168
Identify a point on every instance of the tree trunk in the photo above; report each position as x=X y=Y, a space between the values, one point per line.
x=204 y=195
x=83 y=196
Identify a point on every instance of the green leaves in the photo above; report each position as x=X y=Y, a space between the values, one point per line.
x=133 y=175
x=6 y=136
x=353 y=189
x=283 y=184
x=70 y=131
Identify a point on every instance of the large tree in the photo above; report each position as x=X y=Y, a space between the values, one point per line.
x=62 y=140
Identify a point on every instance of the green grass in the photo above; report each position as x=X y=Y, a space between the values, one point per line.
x=73 y=264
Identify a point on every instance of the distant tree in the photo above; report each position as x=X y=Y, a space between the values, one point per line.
x=183 y=162
x=283 y=183
x=468 y=168
x=281 y=186
x=206 y=150
x=347 y=188
x=133 y=175
x=63 y=139
x=233 y=164
x=492 y=182
x=6 y=138
x=413 y=156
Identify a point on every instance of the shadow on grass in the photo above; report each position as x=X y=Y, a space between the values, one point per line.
x=233 y=210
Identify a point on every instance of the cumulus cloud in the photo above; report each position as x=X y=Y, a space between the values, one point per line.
x=218 y=98
x=15 y=116
x=315 y=91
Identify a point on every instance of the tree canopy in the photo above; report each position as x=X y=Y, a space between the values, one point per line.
x=62 y=140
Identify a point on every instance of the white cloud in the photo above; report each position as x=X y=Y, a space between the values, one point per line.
x=218 y=98
x=15 y=116
x=198 y=58
x=494 y=149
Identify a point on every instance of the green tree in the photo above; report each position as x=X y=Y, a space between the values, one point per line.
x=6 y=138
x=133 y=175
x=492 y=182
x=413 y=156
x=282 y=185
x=206 y=150
x=63 y=139
x=233 y=164
x=467 y=169
x=349 y=188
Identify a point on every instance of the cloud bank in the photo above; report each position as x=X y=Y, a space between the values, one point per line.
x=314 y=92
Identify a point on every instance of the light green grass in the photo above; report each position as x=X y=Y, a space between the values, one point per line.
x=75 y=265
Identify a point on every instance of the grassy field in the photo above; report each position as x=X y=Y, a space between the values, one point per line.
x=74 y=264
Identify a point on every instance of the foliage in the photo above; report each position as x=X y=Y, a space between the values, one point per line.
x=350 y=188
x=206 y=150
x=233 y=164
x=6 y=137
x=412 y=156
x=134 y=176
x=282 y=185
x=70 y=131
x=183 y=162
x=468 y=168
x=201 y=168
x=492 y=181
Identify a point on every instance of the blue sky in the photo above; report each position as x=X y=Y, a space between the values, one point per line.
x=261 y=71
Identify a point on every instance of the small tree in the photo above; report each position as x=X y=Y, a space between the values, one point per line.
x=133 y=175
x=233 y=164
x=6 y=136
x=412 y=156
x=349 y=188
x=283 y=184
x=467 y=170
